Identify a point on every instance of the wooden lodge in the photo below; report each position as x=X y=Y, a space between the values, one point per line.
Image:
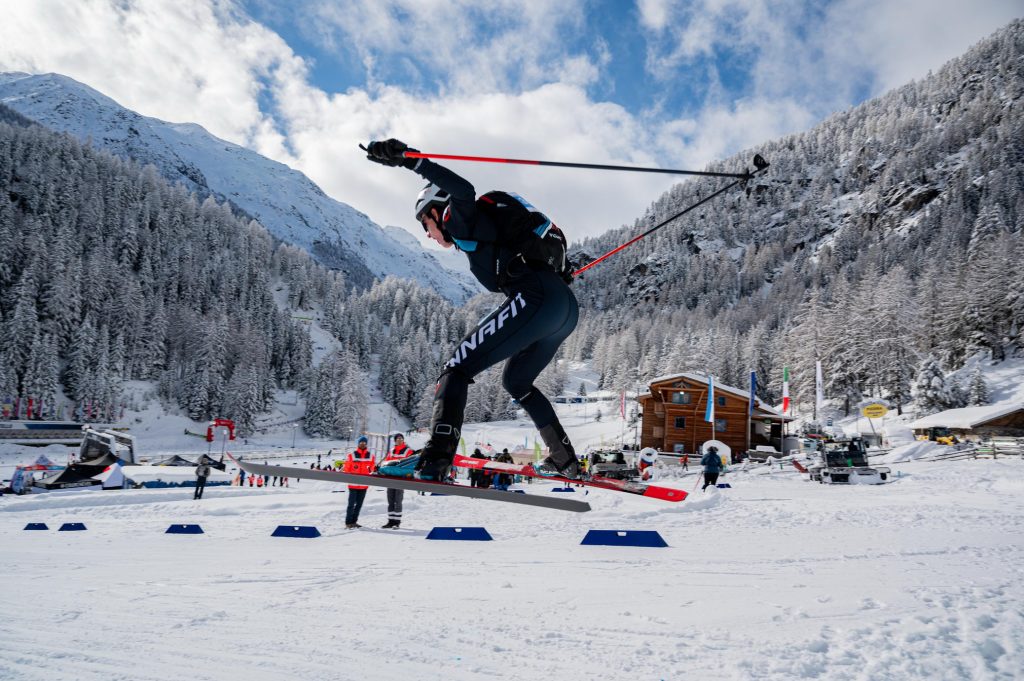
x=673 y=417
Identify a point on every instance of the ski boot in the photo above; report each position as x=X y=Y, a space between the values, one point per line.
x=426 y=464
x=391 y=524
x=562 y=461
x=434 y=461
x=399 y=468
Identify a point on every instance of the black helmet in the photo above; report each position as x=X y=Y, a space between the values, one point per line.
x=430 y=196
x=713 y=449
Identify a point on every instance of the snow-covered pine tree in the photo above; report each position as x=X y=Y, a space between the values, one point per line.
x=930 y=389
x=977 y=391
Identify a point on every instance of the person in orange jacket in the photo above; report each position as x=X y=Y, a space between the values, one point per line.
x=398 y=452
x=359 y=461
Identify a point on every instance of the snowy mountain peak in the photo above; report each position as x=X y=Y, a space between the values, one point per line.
x=290 y=205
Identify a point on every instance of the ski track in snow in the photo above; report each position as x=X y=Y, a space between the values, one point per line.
x=776 y=578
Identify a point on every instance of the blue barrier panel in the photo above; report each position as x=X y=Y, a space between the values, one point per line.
x=724 y=485
x=36 y=526
x=460 y=533
x=437 y=494
x=623 y=538
x=562 y=489
x=301 y=531
x=184 y=529
x=72 y=527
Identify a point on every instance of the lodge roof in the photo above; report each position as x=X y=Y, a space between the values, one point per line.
x=967 y=417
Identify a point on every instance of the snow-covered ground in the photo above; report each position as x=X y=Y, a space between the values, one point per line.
x=775 y=578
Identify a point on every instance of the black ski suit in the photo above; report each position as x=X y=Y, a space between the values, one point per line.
x=539 y=312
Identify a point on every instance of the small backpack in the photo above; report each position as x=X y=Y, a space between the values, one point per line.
x=528 y=234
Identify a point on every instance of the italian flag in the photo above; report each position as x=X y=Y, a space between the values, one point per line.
x=785 y=389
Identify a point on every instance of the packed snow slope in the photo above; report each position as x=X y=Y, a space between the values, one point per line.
x=775 y=578
x=284 y=200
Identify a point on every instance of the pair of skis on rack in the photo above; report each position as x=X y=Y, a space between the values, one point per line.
x=486 y=465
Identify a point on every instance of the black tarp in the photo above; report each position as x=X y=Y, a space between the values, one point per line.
x=174 y=461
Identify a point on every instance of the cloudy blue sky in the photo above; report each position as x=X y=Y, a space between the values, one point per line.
x=648 y=82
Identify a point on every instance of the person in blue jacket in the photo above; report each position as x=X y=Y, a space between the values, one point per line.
x=538 y=314
x=712 y=463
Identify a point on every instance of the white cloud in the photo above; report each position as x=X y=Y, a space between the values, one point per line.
x=456 y=45
x=897 y=42
x=654 y=14
x=180 y=61
x=820 y=56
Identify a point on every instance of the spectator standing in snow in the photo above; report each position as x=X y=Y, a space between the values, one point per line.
x=712 y=467
x=360 y=461
x=476 y=476
x=685 y=460
x=202 y=472
x=395 y=496
x=503 y=480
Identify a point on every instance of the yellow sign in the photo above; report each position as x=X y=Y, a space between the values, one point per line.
x=874 y=411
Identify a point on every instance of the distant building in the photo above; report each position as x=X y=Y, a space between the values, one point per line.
x=975 y=423
x=673 y=416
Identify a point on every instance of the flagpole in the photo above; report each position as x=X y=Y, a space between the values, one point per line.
x=750 y=407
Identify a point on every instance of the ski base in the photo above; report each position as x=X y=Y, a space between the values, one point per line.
x=640 y=488
x=557 y=503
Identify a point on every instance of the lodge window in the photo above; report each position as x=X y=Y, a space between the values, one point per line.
x=681 y=422
x=678 y=447
x=720 y=425
x=680 y=398
x=721 y=400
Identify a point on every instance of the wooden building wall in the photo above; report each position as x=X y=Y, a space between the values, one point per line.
x=669 y=421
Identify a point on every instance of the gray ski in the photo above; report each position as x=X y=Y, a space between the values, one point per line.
x=558 y=503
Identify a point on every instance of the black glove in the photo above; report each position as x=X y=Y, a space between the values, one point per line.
x=390 y=153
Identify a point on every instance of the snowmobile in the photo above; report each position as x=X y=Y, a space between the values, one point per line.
x=846 y=462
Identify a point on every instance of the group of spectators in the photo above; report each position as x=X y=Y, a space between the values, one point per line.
x=485 y=479
x=253 y=480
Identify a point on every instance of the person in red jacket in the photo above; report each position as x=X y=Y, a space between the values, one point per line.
x=359 y=461
x=398 y=452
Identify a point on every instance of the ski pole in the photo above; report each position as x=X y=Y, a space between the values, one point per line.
x=759 y=163
x=563 y=164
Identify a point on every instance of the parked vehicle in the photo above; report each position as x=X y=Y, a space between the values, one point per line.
x=613 y=464
x=940 y=434
x=846 y=462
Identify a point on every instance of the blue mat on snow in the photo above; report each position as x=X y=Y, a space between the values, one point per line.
x=460 y=534
x=624 y=538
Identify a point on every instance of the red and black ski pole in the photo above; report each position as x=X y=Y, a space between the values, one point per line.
x=564 y=164
x=760 y=165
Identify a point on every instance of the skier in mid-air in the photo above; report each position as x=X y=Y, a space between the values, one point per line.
x=538 y=314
